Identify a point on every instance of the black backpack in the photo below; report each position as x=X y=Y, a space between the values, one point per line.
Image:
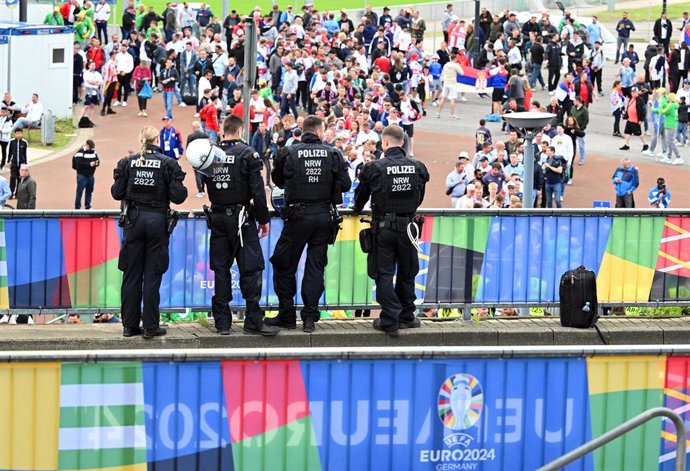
x=578 y=293
x=85 y=122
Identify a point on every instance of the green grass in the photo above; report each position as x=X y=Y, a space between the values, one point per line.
x=647 y=14
x=64 y=132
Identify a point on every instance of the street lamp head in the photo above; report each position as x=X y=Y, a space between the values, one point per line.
x=528 y=120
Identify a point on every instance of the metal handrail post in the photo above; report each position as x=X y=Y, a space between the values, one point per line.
x=622 y=429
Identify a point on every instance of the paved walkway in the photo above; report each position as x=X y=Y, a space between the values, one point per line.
x=355 y=333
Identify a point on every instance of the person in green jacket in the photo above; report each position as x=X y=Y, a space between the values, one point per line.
x=670 y=114
x=54 y=18
x=83 y=28
x=141 y=13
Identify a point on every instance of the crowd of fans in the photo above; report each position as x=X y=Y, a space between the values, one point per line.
x=363 y=75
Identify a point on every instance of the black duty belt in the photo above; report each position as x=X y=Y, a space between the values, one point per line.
x=228 y=210
x=311 y=208
x=149 y=209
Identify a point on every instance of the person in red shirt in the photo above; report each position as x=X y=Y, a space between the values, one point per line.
x=95 y=53
x=209 y=113
x=238 y=110
x=384 y=64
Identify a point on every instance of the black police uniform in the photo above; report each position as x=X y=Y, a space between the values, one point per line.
x=233 y=185
x=396 y=185
x=147 y=183
x=314 y=177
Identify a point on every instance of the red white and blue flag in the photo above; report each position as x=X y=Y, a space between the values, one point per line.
x=477 y=81
x=686 y=33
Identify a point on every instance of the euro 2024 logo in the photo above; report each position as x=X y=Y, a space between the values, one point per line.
x=460 y=404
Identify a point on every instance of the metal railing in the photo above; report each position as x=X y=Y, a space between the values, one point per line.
x=621 y=430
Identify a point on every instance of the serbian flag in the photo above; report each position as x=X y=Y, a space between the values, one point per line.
x=686 y=33
x=476 y=81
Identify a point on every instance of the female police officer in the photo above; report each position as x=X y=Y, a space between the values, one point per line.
x=146 y=183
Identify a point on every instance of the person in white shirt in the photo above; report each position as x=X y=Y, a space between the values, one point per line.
x=124 y=64
x=101 y=15
x=408 y=117
x=33 y=111
x=366 y=134
x=93 y=83
x=404 y=40
x=257 y=103
x=5 y=137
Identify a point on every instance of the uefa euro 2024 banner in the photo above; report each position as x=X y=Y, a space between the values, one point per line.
x=351 y=415
x=70 y=262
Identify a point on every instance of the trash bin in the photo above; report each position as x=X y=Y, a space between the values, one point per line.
x=48 y=128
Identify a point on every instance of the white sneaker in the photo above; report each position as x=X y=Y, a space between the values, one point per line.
x=678 y=162
x=144 y=114
x=570 y=182
x=463 y=99
x=662 y=155
x=647 y=133
x=4 y=319
x=648 y=153
x=124 y=103
x=182 y=105
x=434 y=104
x=117 y=103
x=196 y=115
x=561 y=199
x=552 y=93
x=453 y=116
x=665 y=160
x=438 y=115
x=200 y=195
x=140 y=113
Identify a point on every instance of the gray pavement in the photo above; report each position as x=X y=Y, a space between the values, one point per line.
x=355 y=333
x=599 y=140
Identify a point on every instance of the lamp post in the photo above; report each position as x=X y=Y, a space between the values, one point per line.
x=528 y=123
x=249 y=72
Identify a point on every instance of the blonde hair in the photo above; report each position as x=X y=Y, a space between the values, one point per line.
x=147 y=135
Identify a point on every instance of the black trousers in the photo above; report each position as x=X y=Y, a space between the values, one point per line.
x=143 y=260
x=554 y=75
x=109 y=92
x=124 y=90
x=225 y=248
x=199 y=182
x=303 y=94
x=394 y=249
x=14 y=179
x=102 y=29
x=596 y=79
x=312 y=231
x=3 y=146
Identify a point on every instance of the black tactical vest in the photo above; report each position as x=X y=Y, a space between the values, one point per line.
x=399 y=187
x=228 y=186
x=147 y=184
x=312 y=177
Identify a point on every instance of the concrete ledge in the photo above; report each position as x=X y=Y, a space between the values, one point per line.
x=354 y=333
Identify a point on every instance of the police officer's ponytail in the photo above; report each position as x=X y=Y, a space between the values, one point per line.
x=147 y=135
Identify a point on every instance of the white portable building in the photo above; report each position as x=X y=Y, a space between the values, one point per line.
x=37 y=59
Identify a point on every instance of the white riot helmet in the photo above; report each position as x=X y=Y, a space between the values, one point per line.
x=205 y=156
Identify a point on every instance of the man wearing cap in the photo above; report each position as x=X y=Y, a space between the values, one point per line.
x=170 y=140
x=458 y=179
x=85 y=161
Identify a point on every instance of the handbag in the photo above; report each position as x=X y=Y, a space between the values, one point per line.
x=146 y=91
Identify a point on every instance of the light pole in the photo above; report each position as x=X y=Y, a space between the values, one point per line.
x=249 y=72
x=477 y=46
x=528 y=123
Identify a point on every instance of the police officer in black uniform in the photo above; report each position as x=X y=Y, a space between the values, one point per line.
x=396 y=186
x=314 y=177
x=147 y=183
x=231 y=185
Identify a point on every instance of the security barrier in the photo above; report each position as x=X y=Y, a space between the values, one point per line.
x=68 y=260
x=400 y=408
